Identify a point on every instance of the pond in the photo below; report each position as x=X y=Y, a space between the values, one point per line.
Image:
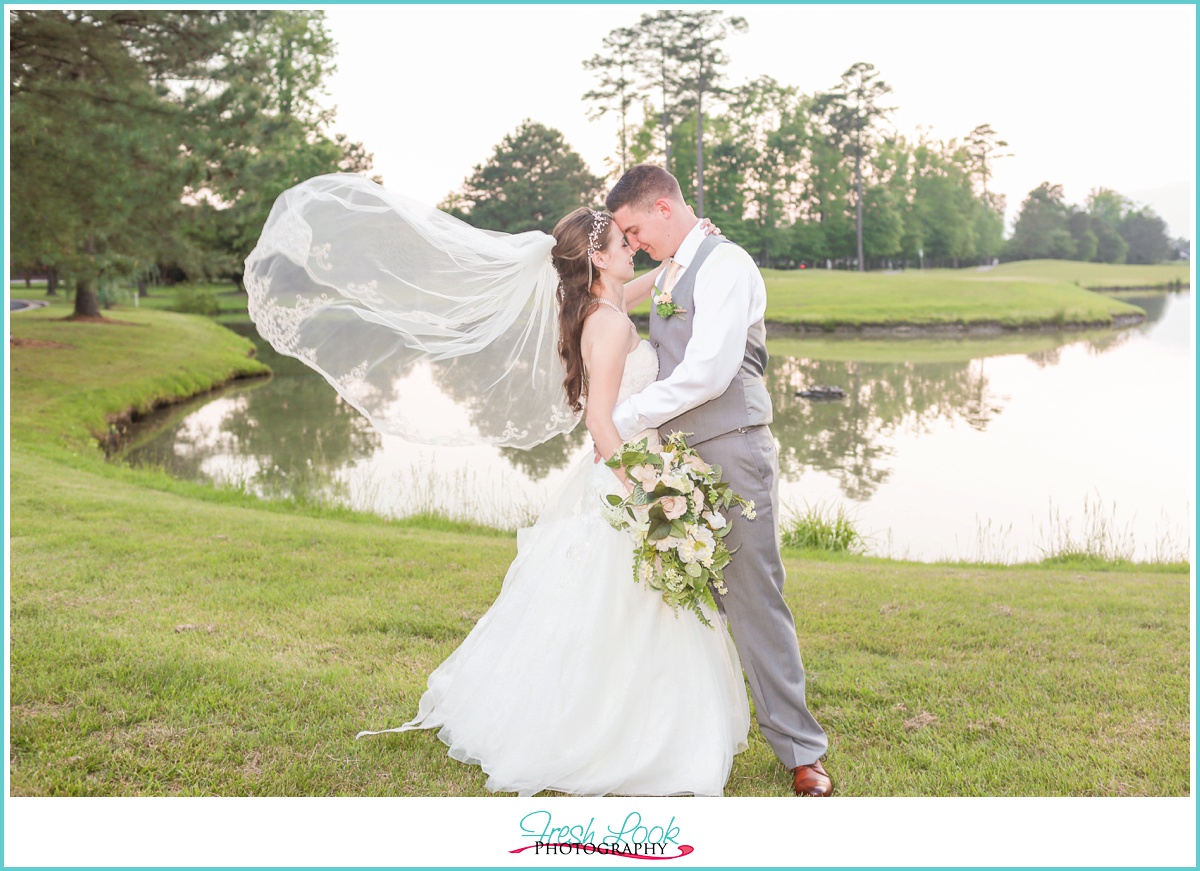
x=998 y=449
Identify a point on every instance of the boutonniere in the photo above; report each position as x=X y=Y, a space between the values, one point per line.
x=665 y=307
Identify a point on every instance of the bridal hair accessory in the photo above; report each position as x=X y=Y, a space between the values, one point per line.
x=599 y=224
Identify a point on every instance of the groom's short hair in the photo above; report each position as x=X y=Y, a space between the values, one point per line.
x=641 y=186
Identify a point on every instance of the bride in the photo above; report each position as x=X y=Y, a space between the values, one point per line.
x=578 y=679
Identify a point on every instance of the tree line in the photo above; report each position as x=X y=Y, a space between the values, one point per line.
x=147 y=143
x=1108 y=228
x=796 y=179
x=151 y=144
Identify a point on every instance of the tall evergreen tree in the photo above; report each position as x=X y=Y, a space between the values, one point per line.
x=983 y=144
x=679 y=58
x=701 y=58
x=617 y=89
x=657 y=64
x=1146 y=234
x=100 y=136
x=1107 y=208
x=270 y=116
x=852 y=109
x=531 y=180
x=769 y=131
x=1042 y=228
x=127 y=123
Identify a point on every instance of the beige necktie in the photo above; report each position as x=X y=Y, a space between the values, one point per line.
x=672 y=275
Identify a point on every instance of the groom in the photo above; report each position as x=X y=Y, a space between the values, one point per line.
x=712 y=354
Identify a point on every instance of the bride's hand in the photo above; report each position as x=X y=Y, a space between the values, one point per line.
x=710 y=229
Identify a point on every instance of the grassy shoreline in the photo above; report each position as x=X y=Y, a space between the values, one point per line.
x=174 y=639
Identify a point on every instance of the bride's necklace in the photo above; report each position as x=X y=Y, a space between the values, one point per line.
x=612 y=305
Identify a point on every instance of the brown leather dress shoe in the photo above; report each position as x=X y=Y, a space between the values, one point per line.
x=812 y=780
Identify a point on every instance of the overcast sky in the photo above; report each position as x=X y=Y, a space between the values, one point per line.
x=1086 y=96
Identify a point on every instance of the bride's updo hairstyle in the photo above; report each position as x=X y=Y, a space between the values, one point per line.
x=577 y=236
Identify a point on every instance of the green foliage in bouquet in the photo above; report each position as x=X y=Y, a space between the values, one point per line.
x=675 y=514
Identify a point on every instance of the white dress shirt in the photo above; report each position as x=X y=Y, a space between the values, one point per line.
x=728 y=299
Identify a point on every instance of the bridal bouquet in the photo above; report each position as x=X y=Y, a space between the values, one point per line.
x=675 y=516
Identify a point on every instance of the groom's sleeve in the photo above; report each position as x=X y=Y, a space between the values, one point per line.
x=729 y=297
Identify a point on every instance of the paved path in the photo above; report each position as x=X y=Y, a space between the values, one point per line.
x=20 y=305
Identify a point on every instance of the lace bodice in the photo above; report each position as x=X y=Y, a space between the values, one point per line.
x=641 y=368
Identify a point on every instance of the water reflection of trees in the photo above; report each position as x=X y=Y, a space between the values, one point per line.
x=285 y=439
x=539 y=461
x=293 y=435
x=1096 y=343
x=300 y=434
x=848 y=439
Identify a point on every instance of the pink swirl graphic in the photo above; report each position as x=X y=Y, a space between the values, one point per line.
x=684 y=850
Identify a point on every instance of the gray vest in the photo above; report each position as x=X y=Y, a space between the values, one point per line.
x=746 y=402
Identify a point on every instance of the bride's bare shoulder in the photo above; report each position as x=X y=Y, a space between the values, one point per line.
x=604 y=321
x=603 y=335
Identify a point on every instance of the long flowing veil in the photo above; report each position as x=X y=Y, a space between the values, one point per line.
x=437 y=331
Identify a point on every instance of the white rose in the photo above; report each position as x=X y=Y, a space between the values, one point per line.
x=668 y=543
x=676 y=482
x=687 y=551
x=715 y=519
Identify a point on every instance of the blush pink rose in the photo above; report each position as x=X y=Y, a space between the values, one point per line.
x=674 y=506
x=646 y=475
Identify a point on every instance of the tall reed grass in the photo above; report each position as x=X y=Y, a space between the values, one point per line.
x=821 y=527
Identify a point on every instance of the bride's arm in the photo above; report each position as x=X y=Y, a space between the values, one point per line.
x=638 y=290
x=604 y=345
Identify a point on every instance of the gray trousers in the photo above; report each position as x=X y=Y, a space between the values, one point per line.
x=759 y=618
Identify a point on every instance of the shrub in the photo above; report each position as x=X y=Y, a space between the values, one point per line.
x=196 y=301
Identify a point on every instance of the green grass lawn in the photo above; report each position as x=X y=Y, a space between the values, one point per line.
x=1098 y=276
x=830 y=299
x=62 y=395
x=827 y=298
x=231 y=302
x=174 y=639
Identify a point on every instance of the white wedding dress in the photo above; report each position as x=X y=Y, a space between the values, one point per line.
x=581 y=680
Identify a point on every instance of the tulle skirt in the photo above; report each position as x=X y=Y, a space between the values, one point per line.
x=581 y=680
